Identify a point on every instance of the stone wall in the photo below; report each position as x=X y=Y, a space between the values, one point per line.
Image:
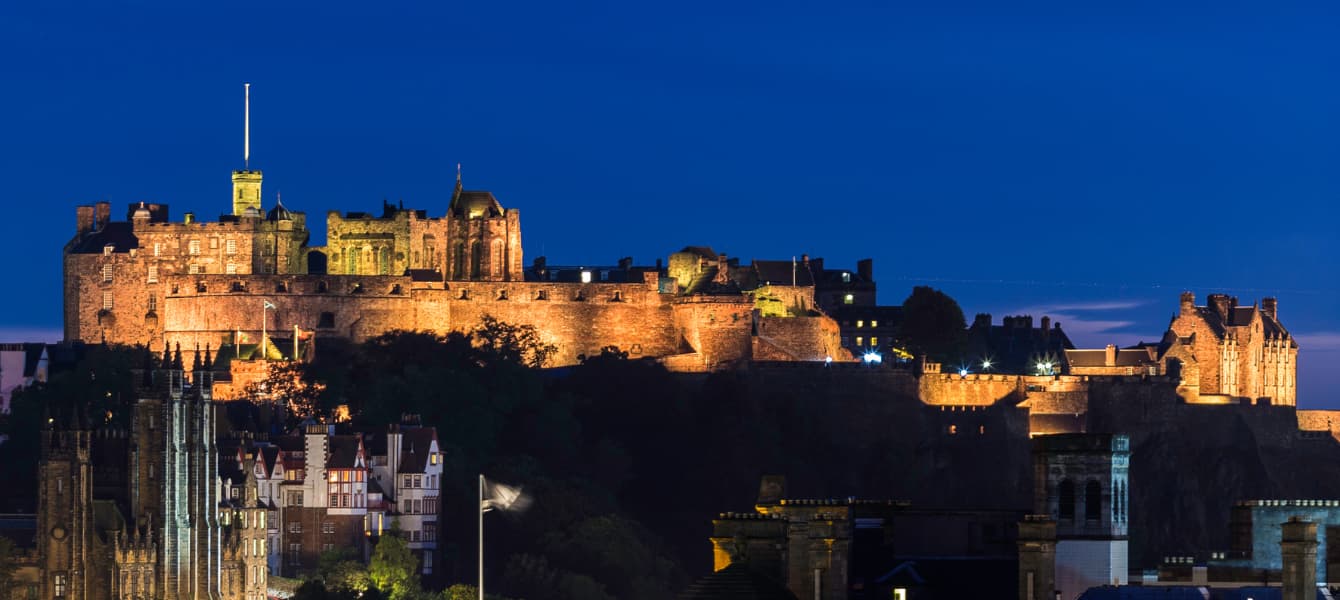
x=1320 y=420
x=952 y=389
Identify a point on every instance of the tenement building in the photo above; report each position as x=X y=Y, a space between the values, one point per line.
x=143 y=513
x=153 y=281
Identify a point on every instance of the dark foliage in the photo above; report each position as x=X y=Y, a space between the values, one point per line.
x=933 y=325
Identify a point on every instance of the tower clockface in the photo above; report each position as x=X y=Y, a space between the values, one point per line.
x=58 y=532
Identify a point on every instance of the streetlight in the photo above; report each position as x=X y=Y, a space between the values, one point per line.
x=265 y=307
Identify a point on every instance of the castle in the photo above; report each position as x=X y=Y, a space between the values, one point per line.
x=141 y=513
x=152 y=281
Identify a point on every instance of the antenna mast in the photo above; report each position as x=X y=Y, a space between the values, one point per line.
x=246 y=128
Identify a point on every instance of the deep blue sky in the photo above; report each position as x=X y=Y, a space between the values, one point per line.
x=1083 y=160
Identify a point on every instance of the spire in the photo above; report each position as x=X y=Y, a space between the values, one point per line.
x=457 y=192
x=209 y=361
x=246 y=127
x=167 y=356
x=195 y=362
x=176 y=357
x=147 y=377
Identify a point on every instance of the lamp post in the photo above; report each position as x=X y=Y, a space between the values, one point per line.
x=265 y=307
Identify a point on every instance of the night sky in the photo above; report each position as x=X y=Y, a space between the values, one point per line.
x=1085 y=161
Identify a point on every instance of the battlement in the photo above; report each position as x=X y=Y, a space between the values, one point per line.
x=1299 y=503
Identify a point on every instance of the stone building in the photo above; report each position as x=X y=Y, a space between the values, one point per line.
x=1224 y=351
x=1080 y=482
x=143 y=513
x=148 y=280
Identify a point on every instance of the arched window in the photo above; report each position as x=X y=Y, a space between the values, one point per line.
x=1093 y=500
x=1066 y=499
x=496 y=258
x=476 y=260
x=458 y=266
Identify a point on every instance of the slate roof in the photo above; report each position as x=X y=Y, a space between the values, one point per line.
x=1126 y=357
x=266 y=456
x=117 y=233
x=1014 y=347
x=778 y=272
x=1159 y=592
x=464 y=202
x=414 y=447
x=343 y=451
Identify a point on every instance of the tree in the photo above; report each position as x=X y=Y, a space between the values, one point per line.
x=518 y=344
x=394 y=569
x=7 y=563
x=933 y=325
x=342 y=571
x=285 y=385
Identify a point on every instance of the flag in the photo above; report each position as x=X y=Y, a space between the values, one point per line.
x=269 y=305
x=503 y=497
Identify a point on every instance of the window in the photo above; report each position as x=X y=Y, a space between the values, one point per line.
x=1066 y=499
x=1093 y=500
x=846 y=277
x=230 y=269
x=874 y=323
x=953 y=430
x=848 y=299
x=158 y=248
x=860 y=341
x=418 y=481
x=294 y=552
x=153 y=273
x=407 y=481
x=327 y=527
x=874 y=341
x=860 y=323
x=59 y=585
x=193 y=247
x=327 y=547
x=542 y=295
x=405 y=506
x=231 y=247
x=107 y=273
x=107 y=250
x=430 y=505
x=334 y=500
x=432 y=458
x=193 y=269
x=107 y=301
x=429 y=532
x=327 y=320
x=414 y=536
x=213 y=243
x=586 y=277
x=295 y=527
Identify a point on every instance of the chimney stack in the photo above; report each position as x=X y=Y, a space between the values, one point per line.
x=1270 y=306
x=1110 y=356
x=1188 y=303
x=866 y=269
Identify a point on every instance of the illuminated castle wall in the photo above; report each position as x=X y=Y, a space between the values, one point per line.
x=148 y=280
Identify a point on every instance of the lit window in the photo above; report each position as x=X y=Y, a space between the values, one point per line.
x=231 y=247
x=230 y=269
x=153 y=273
x=107 y=273
x=193 y=269
x=158 y=248
x=107 y=301
x=874 y=323
x=60 y=585
x=334 y=476
x=848 y=299
x=194 y=247
x=953 y=430
x=846 y=277
x=432 y=458
x=586 y=277
x=213 y=243
x=874 y=341
x=860 y=341
x=107 y=250
x=860 y=324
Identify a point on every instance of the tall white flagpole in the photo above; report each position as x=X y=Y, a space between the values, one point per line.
x=246 y=128
x=481 y=536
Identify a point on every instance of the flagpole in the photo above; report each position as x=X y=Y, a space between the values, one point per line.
x=481 y=536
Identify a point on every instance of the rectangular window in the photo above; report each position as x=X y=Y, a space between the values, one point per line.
x=429 y=532
x=405 y=506
x=194 y=246
x=414 y=536
x=158 y=248
x=874 y=323
x=107 y=301
x=295 y=527
x=230 y=269
x=432 y=458
x=407 y=481
x=848 y=299
x=430 y=505
x=213 y=243
x=327 y=527
x=59 y=585
x=193 y=269
x=418 y=481
x=344 y=500
x=860 y=341
x=231 y=247
x=153 y=273
x=107 y=273
x=335 y=500
x=860 y=324
x=874 y=341
x=294 y=552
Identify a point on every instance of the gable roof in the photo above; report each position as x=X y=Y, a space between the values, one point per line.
x=119 y=234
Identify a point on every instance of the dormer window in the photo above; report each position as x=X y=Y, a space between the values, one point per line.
x=107 y=250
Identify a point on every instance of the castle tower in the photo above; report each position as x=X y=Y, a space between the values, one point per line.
x=1080 y=481
x=65 y=514
x=1298 y=549
x=246 y=191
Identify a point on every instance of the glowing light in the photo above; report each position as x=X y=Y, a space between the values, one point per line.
x=986 y=364
x=586 y=277
x=828 y=360
x=872 y=358
x=963 y=372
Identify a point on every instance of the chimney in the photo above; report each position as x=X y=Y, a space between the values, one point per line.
x=83 y=219
x=102 y=214
x=1046 y=329
x=1188 y=303
x=659 y=264
x=804 y=259
x=982 y=320
x=626 y=263
x=1298 y=549
x=866 y=269
x=1270 y=306
x=1220 y=303
x=1110 y=356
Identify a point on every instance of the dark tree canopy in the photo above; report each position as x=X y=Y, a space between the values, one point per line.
x=933 y=325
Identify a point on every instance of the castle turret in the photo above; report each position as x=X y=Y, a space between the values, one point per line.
x=246 y=192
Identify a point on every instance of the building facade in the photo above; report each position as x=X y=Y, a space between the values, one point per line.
x=143 y=513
